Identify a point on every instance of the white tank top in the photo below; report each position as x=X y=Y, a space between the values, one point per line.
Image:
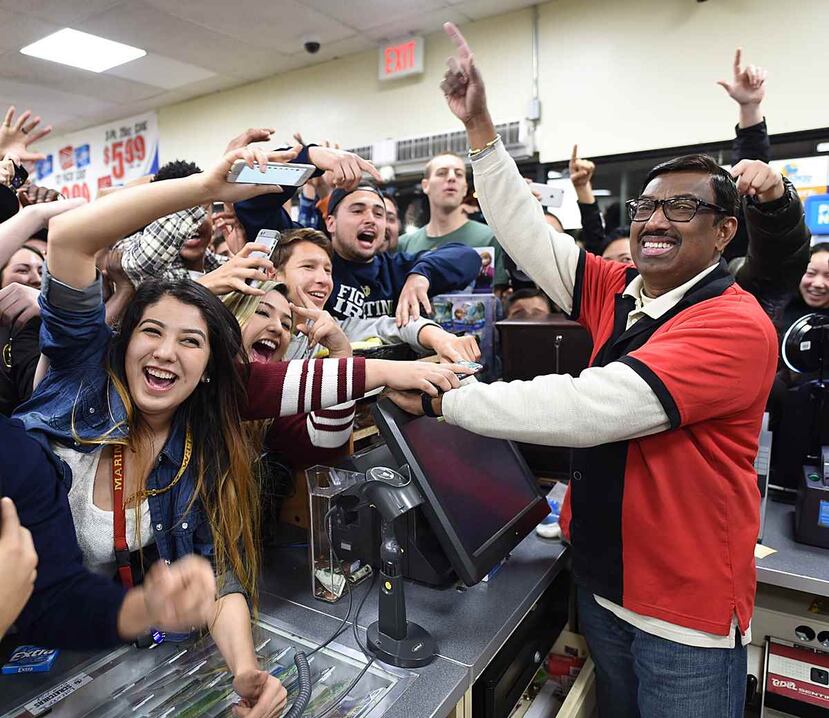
x=93 y=525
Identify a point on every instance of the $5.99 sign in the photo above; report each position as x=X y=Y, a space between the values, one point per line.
x=125 y=153
x=85 y=162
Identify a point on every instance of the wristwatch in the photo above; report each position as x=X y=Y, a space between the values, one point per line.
x=426 y=403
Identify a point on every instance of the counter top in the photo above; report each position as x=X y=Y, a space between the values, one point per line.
x=795 y=565
x=469 y=624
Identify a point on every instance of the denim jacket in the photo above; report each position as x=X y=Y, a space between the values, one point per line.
x=76 y=402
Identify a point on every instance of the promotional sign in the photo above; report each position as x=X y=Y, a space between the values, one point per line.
x=81 y=164
x=401 y=58
x=817 y=213
x=809 y=175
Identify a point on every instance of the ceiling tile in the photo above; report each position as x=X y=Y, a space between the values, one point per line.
x=423 y=24
x=160 y=71
x=18 y=30
x=479 y=9
x=61 y=12
x=72 y=79
x=279 y=25
x=365 y=14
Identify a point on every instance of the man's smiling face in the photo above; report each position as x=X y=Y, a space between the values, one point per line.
x=669 y=253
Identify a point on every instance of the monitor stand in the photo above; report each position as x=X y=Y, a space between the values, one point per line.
x=423 y=559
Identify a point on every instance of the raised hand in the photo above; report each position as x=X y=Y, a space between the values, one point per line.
x=234 y=274
x=581 y=171
x=34 y=194
x=7 y=169
x=320 y=327
x=18 y=304
x=16 y=136
x=747 y=86
x=214 y=182
x=231 y=228
x=252 y=134
x=462 y=84
x=757 y=179
x=346 y=168
x=415 y=293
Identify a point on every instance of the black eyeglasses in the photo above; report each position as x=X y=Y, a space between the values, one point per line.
x=676 y=209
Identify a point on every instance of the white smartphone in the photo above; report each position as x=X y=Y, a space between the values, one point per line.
x=270 y=238
x=550 y=196
x=278 y=173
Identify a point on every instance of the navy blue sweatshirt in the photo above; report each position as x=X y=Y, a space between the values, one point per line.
x=70 y=607
x=371 y=289
x=367 y=290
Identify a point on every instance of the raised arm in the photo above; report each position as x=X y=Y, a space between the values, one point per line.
x=508 y=204
x=748 y=89
x=75 y=237
x=31 y=219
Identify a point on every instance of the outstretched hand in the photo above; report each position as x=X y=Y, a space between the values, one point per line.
x=747 y=86
x=218 y=189
x=581 y=170
x=16 y=136
x=462 y=84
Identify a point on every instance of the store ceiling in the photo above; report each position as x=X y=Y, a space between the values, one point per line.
x=197 y=47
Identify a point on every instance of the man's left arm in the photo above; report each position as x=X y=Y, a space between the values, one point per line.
x=695 y=371
x=448 y=268
x=778 y=239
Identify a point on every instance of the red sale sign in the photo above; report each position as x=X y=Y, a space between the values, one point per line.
x=81 y=164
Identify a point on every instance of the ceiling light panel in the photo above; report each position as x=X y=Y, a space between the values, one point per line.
x=80 y=49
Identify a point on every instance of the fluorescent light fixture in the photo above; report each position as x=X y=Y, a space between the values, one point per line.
x=80 y=49
x=823 y=146
x=602 y=193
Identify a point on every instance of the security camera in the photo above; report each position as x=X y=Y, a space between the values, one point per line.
x=311 y=43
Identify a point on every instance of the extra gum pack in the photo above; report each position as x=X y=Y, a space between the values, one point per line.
x=30 y=659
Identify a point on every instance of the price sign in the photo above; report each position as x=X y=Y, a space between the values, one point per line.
x=110 y=155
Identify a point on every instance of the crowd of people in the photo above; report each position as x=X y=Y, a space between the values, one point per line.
x=153 y=352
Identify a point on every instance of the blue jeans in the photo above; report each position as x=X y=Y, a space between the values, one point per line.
x=642 y=675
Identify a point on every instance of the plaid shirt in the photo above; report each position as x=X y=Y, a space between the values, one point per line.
x=154 y=251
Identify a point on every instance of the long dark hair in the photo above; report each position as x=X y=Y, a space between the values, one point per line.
x=222 y=452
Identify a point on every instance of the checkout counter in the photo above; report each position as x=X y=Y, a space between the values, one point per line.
x=491 y=637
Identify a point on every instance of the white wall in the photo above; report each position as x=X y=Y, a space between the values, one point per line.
x=627 y=75
x=615 y=75
x=343 y=100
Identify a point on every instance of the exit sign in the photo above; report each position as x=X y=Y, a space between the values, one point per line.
x=401 y=58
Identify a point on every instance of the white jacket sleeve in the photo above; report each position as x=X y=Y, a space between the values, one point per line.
x=517 y=219
x=604 y=404
x=358 y=329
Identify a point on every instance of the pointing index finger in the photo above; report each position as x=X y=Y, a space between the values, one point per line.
x=738 y=54
x=575 y=153
x=457 y=37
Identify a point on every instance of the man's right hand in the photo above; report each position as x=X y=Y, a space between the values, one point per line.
x=320 y=327
x=756 y=179
x=747 y=88
x=252 y=134
x=18 y=565
x=16 y=136
x=179 y=596
x=18 y=304
x=232 y=276
x=581 y=174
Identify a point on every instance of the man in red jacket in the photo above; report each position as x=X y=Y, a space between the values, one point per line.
x=662 y=509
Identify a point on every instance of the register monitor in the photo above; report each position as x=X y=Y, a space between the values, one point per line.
x=481 y=499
